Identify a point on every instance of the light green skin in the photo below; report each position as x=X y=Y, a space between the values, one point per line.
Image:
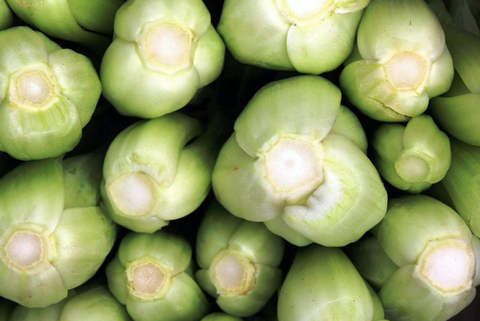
x=183 y=299
x=371 y=260
x=458 y=111
x=313 y=48
x=181 y=173
x=6 y=16
x=323 y=285
x=422 y=139
x=61 y=204
x=57 y=128
x=462 y=185
x=387 y=28
x=85 y=22
x=410 y=224
x=96 y=304
x=218 y=316
x=378 y=313
x=220 y=231
x=137 y=90
x=307 y=106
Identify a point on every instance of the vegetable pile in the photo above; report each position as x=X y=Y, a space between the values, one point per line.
x=229 y=160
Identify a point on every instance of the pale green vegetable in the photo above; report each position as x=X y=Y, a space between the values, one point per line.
x=296 y=163
x=218 y=316
x=158 y=170
x=378 y=313
x=238 y=261
x=6 y=16
x=150 y=275
x=433 y=247
x=308 y=36
x=87 y=22
x=401 y=62
x=371 y=260
x=323 y=285
x=47 y=95
x=412 y=157
x=462 y=185
x=53 y=234
x=95 y=304
x=163 y=52
x=458 y=111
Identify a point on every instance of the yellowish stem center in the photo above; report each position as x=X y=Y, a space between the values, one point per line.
x=147 y=279
x=233 y=273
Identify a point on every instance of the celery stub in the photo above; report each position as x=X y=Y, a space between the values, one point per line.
x=47 y=95
x=401 y=62
x=296 y=162
x=163 y=52
x=308 y=36
x=433 y=247
x=53 y=234
x=151 y=276
x=158 y=170
x=414 y=157
x=238 y=261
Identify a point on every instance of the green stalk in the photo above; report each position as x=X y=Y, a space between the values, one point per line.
x=162 y=53
x=414 y=157
x=296 y=162
x=96 y=304
x=323 y=285
x=85 y=22
x=461 y=183
x=158 y=170
x=48 y=95
x=402 y=61
x=218 y=316
x=433 y=247
x=371 y=261
x=6 y=16
x=150 y=275
x=53 y=235
x=238 y=262
x=307 y=36
x=458 y=111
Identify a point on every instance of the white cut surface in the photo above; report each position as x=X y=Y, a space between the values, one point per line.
x=34 y=88
x=291 y=164
x=133 y=194
x=24 y=249
x=304 y=9
x=169 y=45
x=413 y=169
x=230 y=273
x=406 y=71
x=147 y=279
x=449 y=268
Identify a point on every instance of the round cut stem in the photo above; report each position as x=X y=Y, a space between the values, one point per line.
x=233 y=273
x=406 y=71
x=147 y=279
x=413 y=168
x=24 y=249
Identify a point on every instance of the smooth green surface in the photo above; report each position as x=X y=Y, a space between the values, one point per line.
x=389 y=28
x=75 y=240
x=6 y=16
x=306 y=108
x=218 y=316
x=311 y=45
x=414 y=157
x=96 y=304
x=85 y=22
x=220 y=231
x=137 y=89
x=181 y=299
x=323 y=285
x=174 y=154
x=31 y=133
x=462 y=184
